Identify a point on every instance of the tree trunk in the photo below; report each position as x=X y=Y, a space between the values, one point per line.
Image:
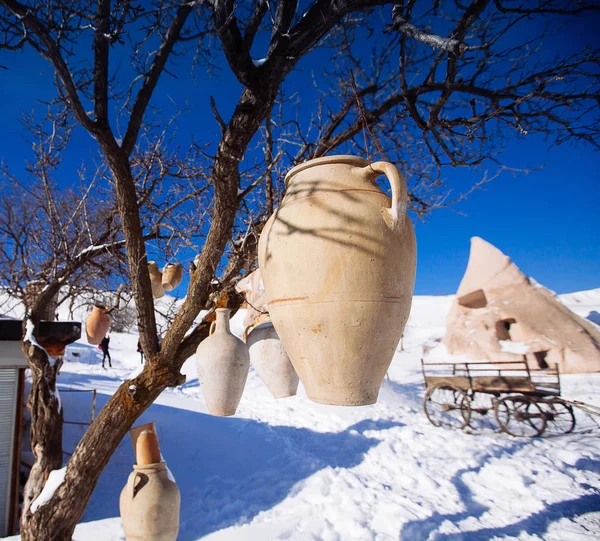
x=46 y=426
x=56 y=520
x=134 y=241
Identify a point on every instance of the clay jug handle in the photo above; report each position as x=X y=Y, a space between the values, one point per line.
x=135 y=486
x=394 y=216
x=212 y=327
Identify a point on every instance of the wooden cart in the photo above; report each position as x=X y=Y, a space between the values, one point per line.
x=525 y=402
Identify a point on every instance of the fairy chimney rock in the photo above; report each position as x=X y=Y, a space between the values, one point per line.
x=488 y=267
x=501 y=315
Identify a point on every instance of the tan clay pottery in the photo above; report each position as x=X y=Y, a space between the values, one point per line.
x=145 y=444
x=155 y=280
x=254 y=292
x=338 y=264
x=149 y=504
x=97 y=324
x=271 y=362
x=172 y=276
x=222 y=362
x=150 y=501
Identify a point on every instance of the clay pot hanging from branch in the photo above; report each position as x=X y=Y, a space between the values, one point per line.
x=97 y=324
x=150 y=501
x=267 y=354
x=222 y=363
x=338 y=264
x=271 y=362
x=172 y=276
x=155 y=280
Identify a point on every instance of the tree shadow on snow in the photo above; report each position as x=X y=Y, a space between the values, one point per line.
x=537 y=523
x=594 y=317
x=228 y=469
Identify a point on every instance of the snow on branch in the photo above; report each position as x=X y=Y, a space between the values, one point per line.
x=29 y=328
x=433 y=40
x=55 y=479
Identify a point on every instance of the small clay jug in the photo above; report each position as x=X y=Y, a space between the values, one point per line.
x=171 y=276
x=271 y=362
x=150 y=501
x=155 y=280
x=222 y=362
x=97 y=324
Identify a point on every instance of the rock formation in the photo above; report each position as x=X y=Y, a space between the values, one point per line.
x=499 y=314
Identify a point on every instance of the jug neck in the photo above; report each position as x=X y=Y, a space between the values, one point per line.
x=341 y=160
x=222 y=322
x=151 y=468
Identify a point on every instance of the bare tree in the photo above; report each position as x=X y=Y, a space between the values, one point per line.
x=425 y=100
x=54 y=245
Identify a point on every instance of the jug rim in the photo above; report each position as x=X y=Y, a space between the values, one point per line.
x=154 y=467
x=343 y=159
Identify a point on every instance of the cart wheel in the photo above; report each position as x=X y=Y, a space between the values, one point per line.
x=481 y=405
x=447 y=406
x=560 y=418
x=520 y=416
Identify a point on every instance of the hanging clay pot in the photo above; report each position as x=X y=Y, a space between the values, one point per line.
x=155 y=280
x=97 y=324
x=271 y=362
x=172 y=276
x=222 y=362
x=150 y=501
x=338 y=264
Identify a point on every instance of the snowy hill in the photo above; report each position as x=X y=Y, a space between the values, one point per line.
x=293 y=469
x=584 y=303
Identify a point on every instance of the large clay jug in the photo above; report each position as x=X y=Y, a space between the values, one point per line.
x=97 y=324
x=338 y=264
x=172 y=276
x=155 y=280
x=150 y=504
x=271 y=362
x=222 y=362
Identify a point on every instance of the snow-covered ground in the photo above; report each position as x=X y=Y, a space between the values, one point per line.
x=291 y=469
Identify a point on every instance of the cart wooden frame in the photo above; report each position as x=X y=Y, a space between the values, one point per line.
x=525 y=401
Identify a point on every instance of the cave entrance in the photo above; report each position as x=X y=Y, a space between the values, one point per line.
x=503 y=328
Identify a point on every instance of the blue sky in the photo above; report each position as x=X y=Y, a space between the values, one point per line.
x=547 y=221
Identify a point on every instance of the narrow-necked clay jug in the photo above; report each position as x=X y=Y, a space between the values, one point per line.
x=172 y=276
x=155 y=280
x=338 y=264
x=222 y=362
x=150 y=501
x=97 y=324
x=271 y=362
